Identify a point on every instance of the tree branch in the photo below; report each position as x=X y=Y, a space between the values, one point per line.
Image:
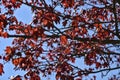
x=94 y=40
x=116 y=21
x=19 y=36
x=32 y=6
x=102 y=70
x=93 y=72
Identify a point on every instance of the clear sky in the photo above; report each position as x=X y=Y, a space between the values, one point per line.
x=24 y=14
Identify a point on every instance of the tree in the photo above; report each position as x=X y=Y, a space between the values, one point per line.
x=61 y=32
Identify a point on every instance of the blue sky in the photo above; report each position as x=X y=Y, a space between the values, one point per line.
x=24 y=14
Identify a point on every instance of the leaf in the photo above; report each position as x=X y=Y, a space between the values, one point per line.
x=67 y=51
x=45 y=22
x=1 y=69
x=8 y=50
x=6 y=58
x=4 y=34
x=98 y=65
x=26 y=31
x=34 y=77
x=68 y=3
x=75 y=23
x=37 y=54
x=11 y=27
x=15 y=61
x=2 y=17
x=32 y=44
x=1 y=25
x=58 y=76
x=72 y=60
x=63 y=40
x=65 y=3
x=13 y=1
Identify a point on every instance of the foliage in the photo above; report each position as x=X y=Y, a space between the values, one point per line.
x=62 y=33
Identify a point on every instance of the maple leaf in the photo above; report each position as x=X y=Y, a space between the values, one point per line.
x=1 y=69
x=68 y=3
x=63 y=40
x=1 y=25
x=61 y=32
x=8 y=50
x=6 y=58
x=67 y=51
x=45 y=22
x=13 y=1
x=15 y=62
x=4 y=34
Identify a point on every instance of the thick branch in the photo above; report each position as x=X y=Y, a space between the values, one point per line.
x=92 y=40
x=88 y=39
